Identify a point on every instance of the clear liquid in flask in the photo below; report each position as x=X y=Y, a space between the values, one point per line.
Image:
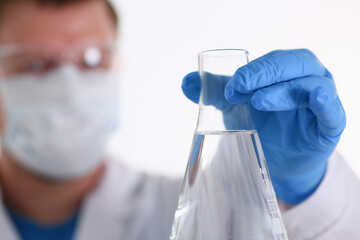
x=227 y=193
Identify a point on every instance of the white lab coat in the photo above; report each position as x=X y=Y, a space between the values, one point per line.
x=132 y=206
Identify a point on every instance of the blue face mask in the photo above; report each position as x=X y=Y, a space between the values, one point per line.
x=57 y=125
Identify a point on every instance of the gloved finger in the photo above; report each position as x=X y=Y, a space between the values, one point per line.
x=236 y=97
x=191 y=86
x=274 y=67
x=213 y=90
x=213 y=93
x=292 y=94
x=329 y=111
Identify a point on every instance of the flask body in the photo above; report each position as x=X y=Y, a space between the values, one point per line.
x=227 y=192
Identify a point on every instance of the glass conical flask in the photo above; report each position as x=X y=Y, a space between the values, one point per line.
x=227 y=192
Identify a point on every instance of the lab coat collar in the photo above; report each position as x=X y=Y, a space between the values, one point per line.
x=103 y=211
x=107 y=209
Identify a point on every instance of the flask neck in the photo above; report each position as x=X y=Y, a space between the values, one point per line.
x=216 y=114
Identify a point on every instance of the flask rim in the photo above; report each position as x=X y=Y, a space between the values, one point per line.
x=223 y=52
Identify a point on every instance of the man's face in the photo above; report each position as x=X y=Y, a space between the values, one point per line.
x=56 y=29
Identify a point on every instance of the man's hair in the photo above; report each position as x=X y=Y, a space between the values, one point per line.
x=113 y=14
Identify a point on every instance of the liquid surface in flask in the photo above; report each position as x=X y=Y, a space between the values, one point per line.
x=227 y=189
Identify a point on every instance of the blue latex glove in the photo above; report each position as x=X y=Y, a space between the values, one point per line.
x=296 y=111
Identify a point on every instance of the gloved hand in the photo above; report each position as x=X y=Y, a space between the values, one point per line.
x=296 y=111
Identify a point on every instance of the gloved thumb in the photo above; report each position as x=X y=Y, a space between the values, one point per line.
x=191 y=86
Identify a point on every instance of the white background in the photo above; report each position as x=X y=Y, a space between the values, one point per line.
x=159 y=44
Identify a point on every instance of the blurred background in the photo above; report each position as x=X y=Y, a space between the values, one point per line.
x=159 y=43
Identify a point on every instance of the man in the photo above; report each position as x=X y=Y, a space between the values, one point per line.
x=61 y=52
x=57 y=98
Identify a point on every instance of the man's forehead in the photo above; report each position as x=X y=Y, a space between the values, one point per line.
x=73 y=24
